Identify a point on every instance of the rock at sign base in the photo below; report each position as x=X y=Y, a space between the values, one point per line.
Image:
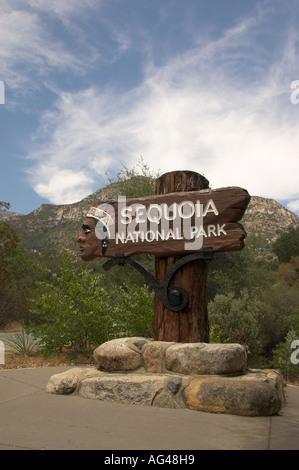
x=119 y=354
x=255 y=394
x=206 y=358
x=197 y=376
x=67 y=382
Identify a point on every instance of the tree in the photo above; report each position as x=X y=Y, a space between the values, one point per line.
x=138 y=181
x=8 y=306
x=9 y=239
x=18 y=271
x=281 y=315
x=287 y=245
x=289 y=272
x=248 y=272
x=5 y=205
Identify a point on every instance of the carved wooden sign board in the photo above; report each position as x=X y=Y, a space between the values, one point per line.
x=177 y=223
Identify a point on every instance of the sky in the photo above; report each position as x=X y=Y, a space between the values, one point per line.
x=87 y=86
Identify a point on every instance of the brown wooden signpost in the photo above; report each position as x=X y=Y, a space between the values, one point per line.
x=184 y=225
x=222 y=233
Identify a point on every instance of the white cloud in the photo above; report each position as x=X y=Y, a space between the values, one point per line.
x=65 y=185
x=63 y=9
x=30 y=50
x=294 y=206
x=222 y=109
x=74 y=144
x=173 y=129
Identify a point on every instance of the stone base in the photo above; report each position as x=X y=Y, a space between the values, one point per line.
x=196 y=376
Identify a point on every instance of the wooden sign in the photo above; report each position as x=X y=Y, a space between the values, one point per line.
x=183 y=218
x=175 y=223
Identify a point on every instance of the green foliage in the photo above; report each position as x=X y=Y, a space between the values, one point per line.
x=135 y=311
x=289 y=272
x=248 y=272
x=73 y=311
x=9 y=239
x=138 y=181
x=69 y=305
x=18 y=272
x=280 y=316
x=282 y=357
x=214 y=334
x=4 y=205
x=8 y=242
x=237 y=319
x=76 y=309
x=287 y=245
x=23 y=272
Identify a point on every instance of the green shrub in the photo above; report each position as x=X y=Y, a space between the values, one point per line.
x=77 y=309
x=282 y=357
x=135 y=311
x=237 y=320
x=72 y=311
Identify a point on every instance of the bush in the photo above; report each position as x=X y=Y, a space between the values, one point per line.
x=135 y=311
x=77 y=310
x=282 y=357
x=73 y=311
x=287 y=245
x=9 y=305
x=237 y=320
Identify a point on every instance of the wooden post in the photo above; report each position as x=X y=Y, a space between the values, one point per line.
x=189 y=325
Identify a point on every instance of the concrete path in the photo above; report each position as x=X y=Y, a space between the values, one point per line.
x=30 y=418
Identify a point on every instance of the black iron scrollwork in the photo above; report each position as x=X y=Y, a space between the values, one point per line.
x=175 y=298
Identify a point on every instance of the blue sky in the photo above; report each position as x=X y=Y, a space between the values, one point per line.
x=204 y=85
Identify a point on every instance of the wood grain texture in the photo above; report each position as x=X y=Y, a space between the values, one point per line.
x=190 y=324
x=222 y=232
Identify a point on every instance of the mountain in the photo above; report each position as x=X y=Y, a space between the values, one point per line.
x=268 y=217
x=52 y=225
x=7 y=214
x=267 y=220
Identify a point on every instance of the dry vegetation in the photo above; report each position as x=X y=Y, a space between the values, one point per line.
x=19 y=361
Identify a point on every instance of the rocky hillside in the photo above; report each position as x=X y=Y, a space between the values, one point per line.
x=268 y=218
x=51 y=225
x=7 y=215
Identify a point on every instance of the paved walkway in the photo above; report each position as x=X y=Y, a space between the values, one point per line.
x=30 y=418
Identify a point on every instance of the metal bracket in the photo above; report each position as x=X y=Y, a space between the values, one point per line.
x=174 y=298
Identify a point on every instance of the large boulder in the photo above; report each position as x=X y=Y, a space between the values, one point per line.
x=119 y=354
x=131 y=389
x=204 y=358
x=153 y=354
x=197 y=376
x=67 y=382
x=257 y=393
x=253 y=394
